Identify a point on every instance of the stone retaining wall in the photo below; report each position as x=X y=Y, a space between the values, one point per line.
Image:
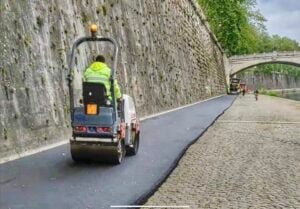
x=168 y=58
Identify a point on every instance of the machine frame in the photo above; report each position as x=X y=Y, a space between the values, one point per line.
x=120 y=136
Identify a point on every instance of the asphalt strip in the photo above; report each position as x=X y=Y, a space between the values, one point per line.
x=143 y=199
x=63 y=142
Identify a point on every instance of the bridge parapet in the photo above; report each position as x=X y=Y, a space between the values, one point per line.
x=242 y=62
x=265 y=55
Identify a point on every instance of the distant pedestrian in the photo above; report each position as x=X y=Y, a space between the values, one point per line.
x=244 y=91
x=256 y=94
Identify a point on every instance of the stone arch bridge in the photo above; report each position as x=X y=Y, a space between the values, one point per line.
x=240 y=63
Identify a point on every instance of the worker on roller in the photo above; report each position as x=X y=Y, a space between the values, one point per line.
x=99 y=72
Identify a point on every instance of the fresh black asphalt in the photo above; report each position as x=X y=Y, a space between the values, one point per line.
x=51 y=180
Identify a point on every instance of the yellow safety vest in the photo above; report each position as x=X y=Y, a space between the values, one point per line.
x=99 y=72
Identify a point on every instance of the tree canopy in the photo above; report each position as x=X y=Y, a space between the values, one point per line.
x=240 y=28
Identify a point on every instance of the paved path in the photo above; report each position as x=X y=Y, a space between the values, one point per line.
x=51 y=180
x=250 y=158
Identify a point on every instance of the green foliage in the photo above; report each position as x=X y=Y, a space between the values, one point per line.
x=104 y=10
x=273 y=69
x=85 y=17
x=272 y=93
x=276 y=43
x=282 y=69
x=27 y=40
x=235 y=23
x=269 y=93
x=240 y=28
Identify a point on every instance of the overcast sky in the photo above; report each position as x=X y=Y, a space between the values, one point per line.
x=283 y=17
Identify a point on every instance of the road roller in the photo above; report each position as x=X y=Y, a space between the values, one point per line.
x=103 y=129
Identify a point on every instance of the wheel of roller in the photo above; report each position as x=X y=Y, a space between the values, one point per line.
x=133 y=150
x=119 y=152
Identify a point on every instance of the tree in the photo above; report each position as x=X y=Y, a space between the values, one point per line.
x=235 y=23
x=240 y=28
